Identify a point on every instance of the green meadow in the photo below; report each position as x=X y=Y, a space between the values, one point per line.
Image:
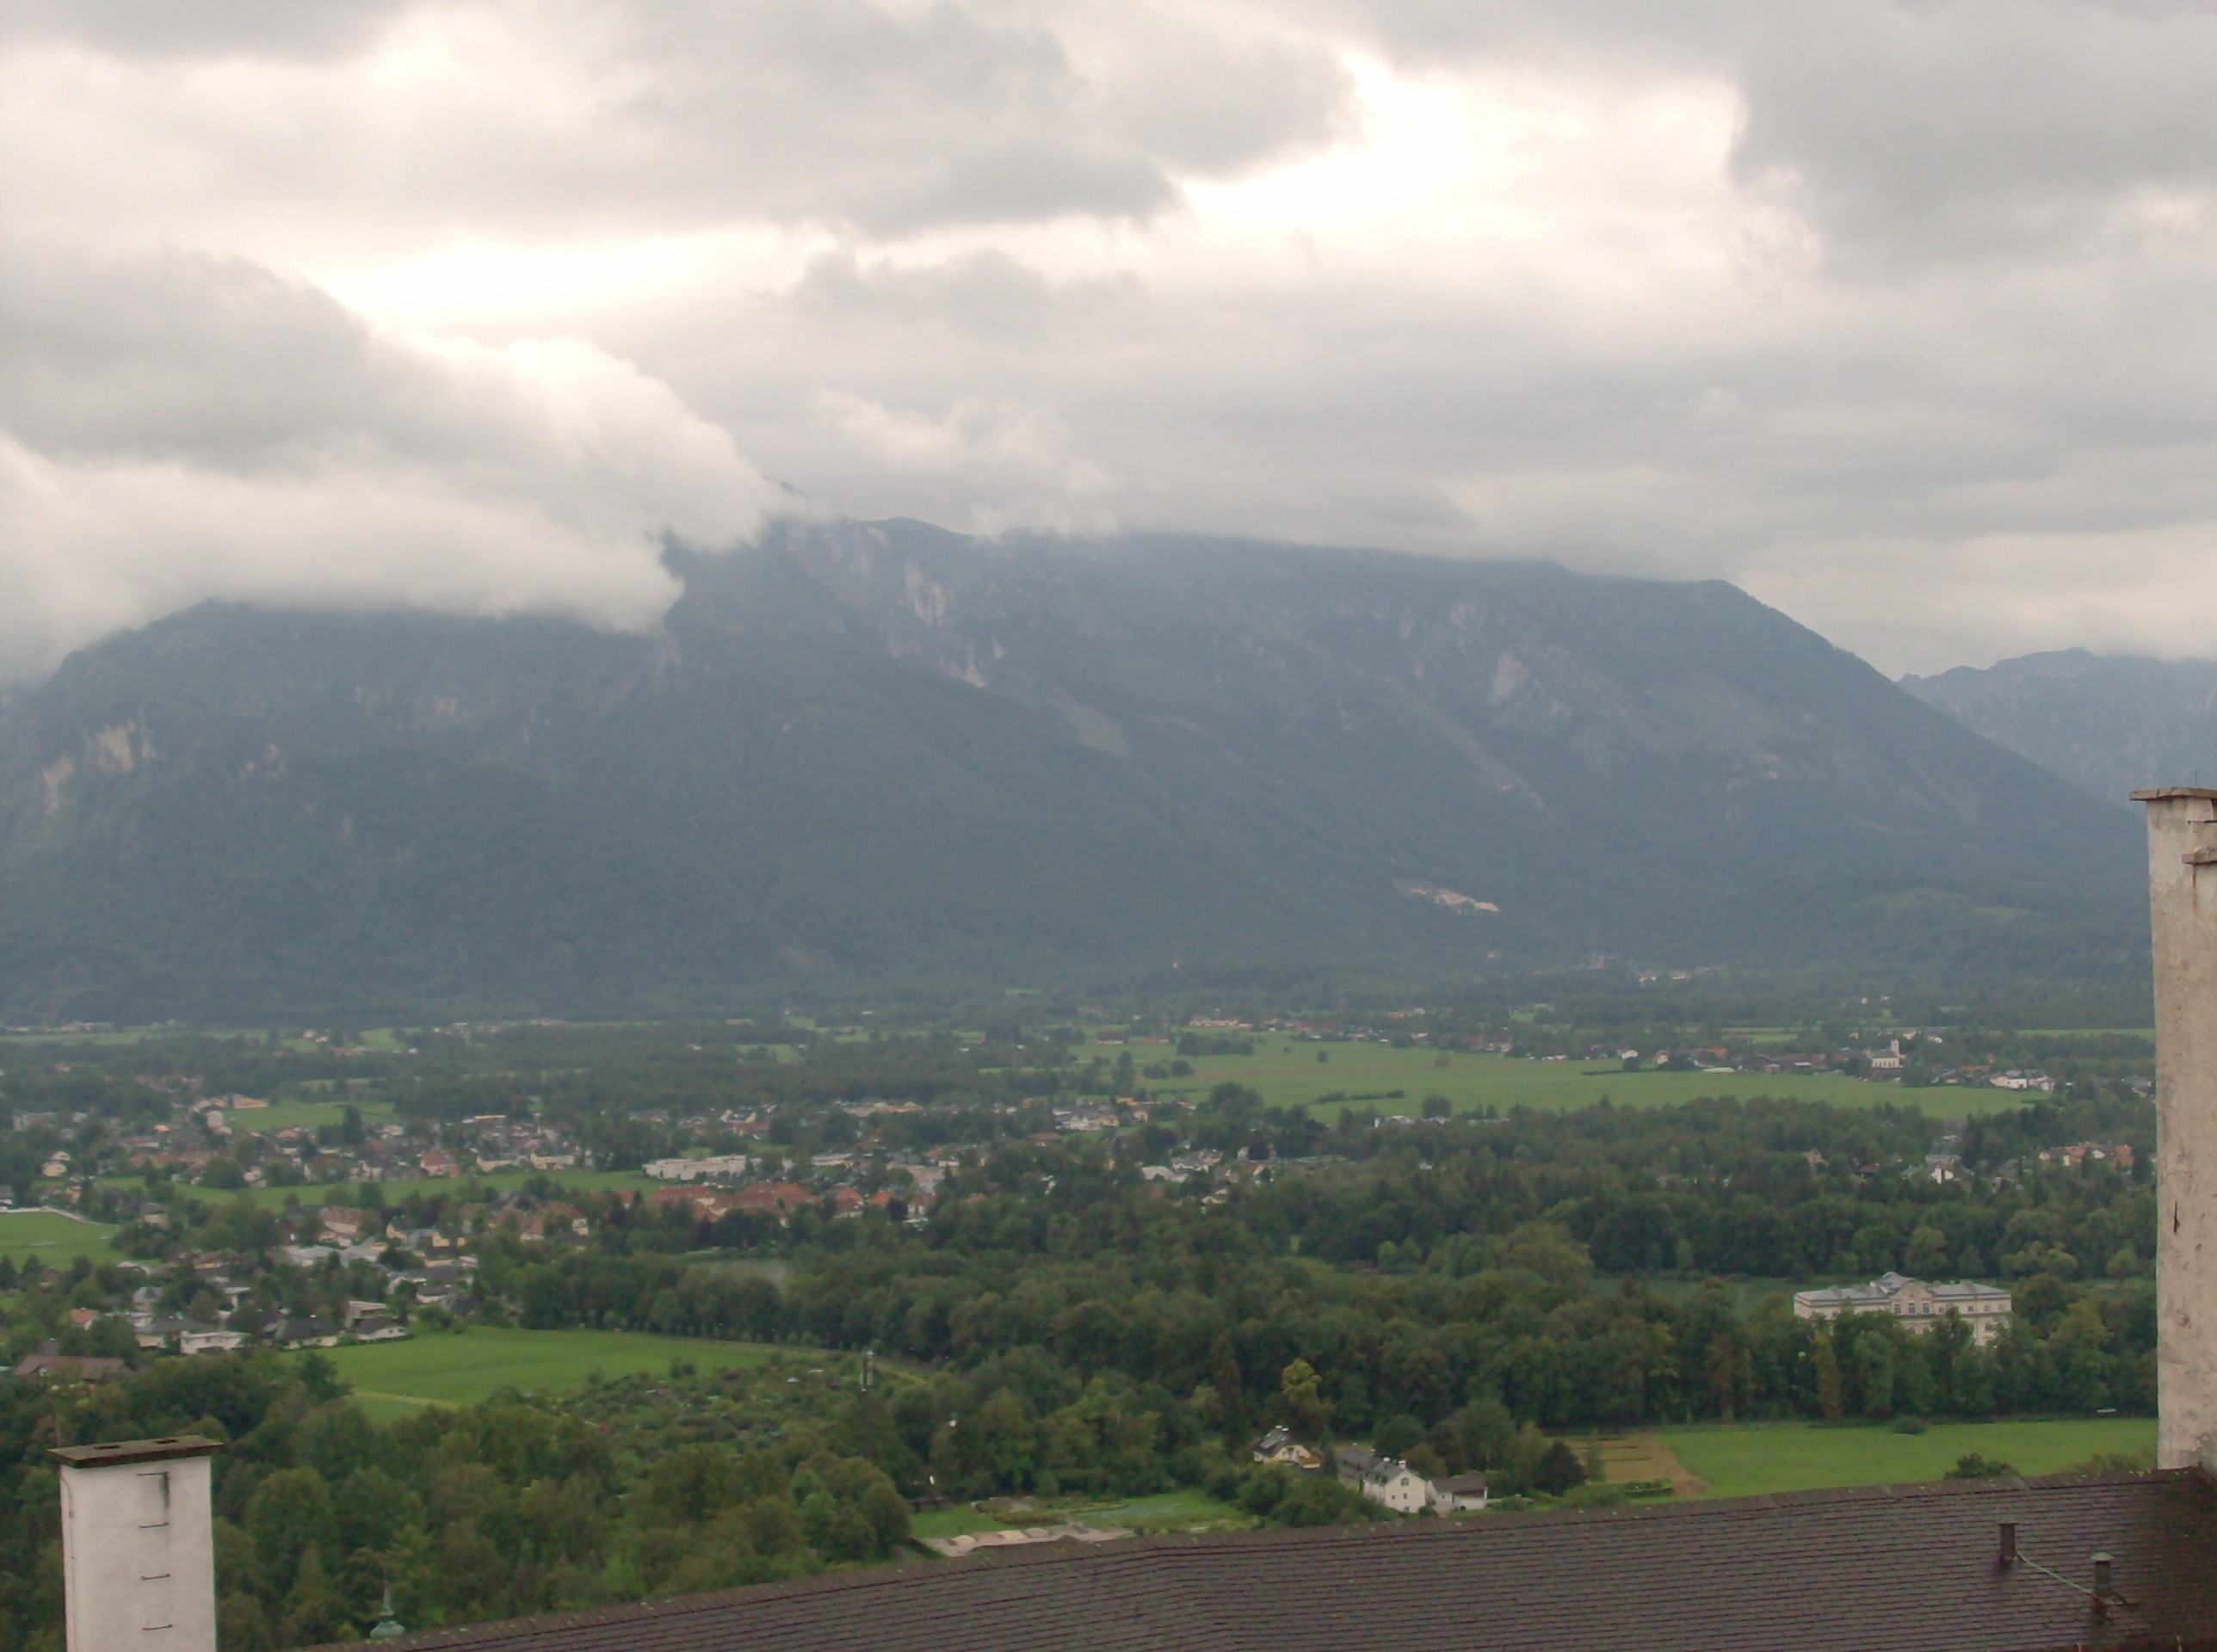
x=308 y=1113
x=56 y=1241
x=1287 y=1073
x=392 y=1379
x=1739 y=1461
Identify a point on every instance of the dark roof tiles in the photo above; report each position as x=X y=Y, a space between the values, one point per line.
x=1885 y=1569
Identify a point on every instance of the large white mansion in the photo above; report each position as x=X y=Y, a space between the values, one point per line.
x=1918 y=1305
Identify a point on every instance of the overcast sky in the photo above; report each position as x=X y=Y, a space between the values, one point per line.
x=1904 y=317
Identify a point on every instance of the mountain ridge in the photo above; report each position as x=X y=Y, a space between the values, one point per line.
x=2109 y=723
x=873 y=752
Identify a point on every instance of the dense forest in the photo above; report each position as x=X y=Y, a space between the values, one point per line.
x=1448 y=1265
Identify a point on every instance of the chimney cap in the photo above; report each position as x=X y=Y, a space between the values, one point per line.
x=2168 y=793
x=136 y=1450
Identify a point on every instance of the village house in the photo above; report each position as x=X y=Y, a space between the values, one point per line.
x=1279 y=1446
x=344 y=1225
x=1394 y=1484
x=1459 y=1493
x=2117 y=1153
x=48 y=1360
x=1919 y=1306
x=776 y=1198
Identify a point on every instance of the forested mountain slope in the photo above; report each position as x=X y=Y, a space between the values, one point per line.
x=869 y=753
x=2106 y=723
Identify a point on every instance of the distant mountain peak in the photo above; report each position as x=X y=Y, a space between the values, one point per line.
x=2106 y=723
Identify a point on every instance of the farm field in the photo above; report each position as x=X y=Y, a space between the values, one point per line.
x=583 y=1181
x=1740 y=1461
x=56 y=1241
x=393 y=1379
x=1287 y=1073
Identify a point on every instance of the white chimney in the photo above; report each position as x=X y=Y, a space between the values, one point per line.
x=138 y=1546
x=2183 y=905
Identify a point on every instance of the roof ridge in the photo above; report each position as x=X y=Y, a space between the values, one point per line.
x=1107 y=1558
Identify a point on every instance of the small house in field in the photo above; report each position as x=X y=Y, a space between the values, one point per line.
x=1459 y=1493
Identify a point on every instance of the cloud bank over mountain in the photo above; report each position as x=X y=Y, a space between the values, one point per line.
x=1894 y=314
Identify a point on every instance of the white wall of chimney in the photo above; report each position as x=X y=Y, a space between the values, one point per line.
x=2182 y=904
x=138 y=1556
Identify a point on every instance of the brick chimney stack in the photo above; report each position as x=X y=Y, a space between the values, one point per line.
x=138 y=1546
x=2182 y=904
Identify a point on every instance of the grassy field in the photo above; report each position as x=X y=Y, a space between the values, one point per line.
x=304 y=1114
x=1168 y=1511
x=56 y=1241
x=1287 y=1073
x=583 y=1181
x=955 y=1522
x=391 y=1379
x=1741 y=1461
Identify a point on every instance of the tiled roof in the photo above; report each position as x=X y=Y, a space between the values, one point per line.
x=1884 y=1569
x=1883 y=1289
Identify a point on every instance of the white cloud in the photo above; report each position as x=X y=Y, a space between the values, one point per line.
x=182 y=427
x=1897 y=313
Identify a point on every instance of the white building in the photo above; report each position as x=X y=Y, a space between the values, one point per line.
x=734 y=1166
x=1459 y=1493
x=1917 y=1305
x=1394 y=1484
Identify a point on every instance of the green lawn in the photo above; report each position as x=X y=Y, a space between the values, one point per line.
x=392 y=1379
x=1740 y=1461
x=956 y=1521
x=1168 y=1511
x=56 y=1241
x=1287 y=1073
x=298 y=1115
